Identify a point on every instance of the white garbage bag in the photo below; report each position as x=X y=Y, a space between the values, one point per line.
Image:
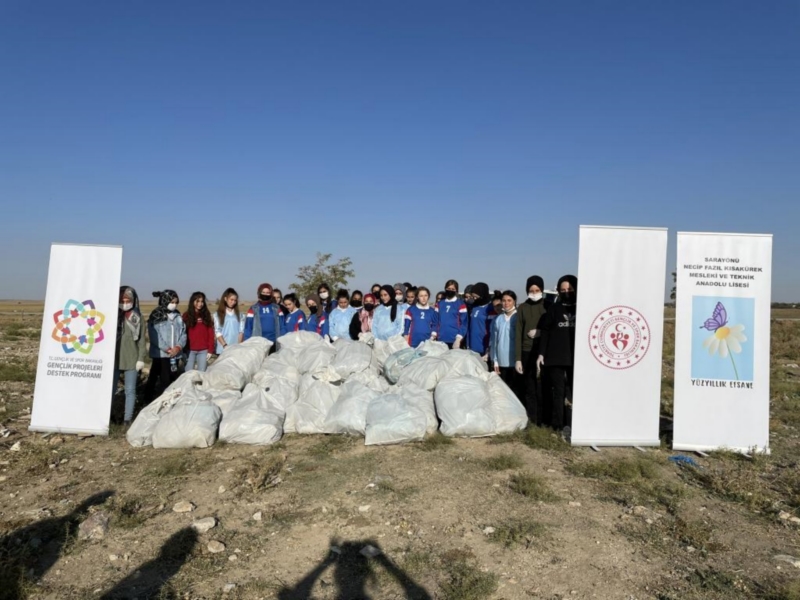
x=425 y=372
x=315 y=358
x=273 y=367
x=140 y=433
x=237 y=365
x=348 y=415
x=192 y=423
x=464 y=406
x=225 y=399
x=422 y=399
x=254 y=419
x=393 y=365
x=289 y=357
x=372 y=380
x=466 y=362
x=383 y=349
x=432 y=348
x=308 y=414
x=391 y=419
x=298 y=340
x=508 y=412
x=351 y=357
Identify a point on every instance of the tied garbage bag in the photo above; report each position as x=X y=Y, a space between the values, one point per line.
x=395 y=364
x=372 y=380
x=280 y=391
x=237 y=366
x=308 y=414
x=425 y=372
x=298 y=340
x=422 y=399
x=315 y=359
x=432 y=348
x=464 y=406
x=348 y=415
x=508 y=413
x=254 y=419
x=466 y=363
x=351 y=357
x=191 y=423
x=391 y=419
x=140 y=433
x=225 y=399
x=273 y=367
x=385 y=348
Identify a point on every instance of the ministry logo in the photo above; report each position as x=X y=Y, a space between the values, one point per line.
x=78 y=326
x=619 y=337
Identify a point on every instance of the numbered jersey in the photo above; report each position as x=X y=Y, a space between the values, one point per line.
x=451 y=320
x=420 y=323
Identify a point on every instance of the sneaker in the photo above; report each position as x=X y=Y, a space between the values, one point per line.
x=566 y=433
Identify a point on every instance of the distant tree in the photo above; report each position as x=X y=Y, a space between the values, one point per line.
x=335 y=275
x=673 y=294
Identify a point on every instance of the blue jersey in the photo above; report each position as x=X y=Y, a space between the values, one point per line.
x=451 y=320
x=420 y=323
x=480 y=327
x=318 y=324
x=295 y=321
x=267 y=321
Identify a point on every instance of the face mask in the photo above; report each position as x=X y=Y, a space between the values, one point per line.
x=536 y=297
x=324 y=295
x=470 y=301
x=356 y=304
x=126 y=306
x=508 y=310
x=265 y=297
x=567 y=297
x=398 y=298
x=172 y=306
x=450 y=295
x=313 y=309
x=369 y=307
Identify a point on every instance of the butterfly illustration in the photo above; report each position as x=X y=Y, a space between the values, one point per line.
x=717 y=320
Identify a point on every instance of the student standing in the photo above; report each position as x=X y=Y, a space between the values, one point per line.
x=295 y=319
x=357 y=299
x=200 y=329
x=228 y=323
x=131 y=347
x=324 y=293
x=526 y=342
x=557 y=352
x=451 y=316
x=340 y=317
x=420 y=320
x=388 y=319
x=502 y=341
x=317 y=320
x=481 y=316
x=167 y=333
x=265 y=318
x=362 y=320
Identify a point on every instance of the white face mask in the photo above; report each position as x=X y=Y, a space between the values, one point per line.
x=126 y=306
x=171 y=306
x=399 y=298
x=324 y=295
x=535 y=297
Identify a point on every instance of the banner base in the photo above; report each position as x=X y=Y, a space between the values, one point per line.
x=618 y=443
x=703 y=448
x=68 y=430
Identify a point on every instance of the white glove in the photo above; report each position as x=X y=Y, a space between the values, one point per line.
x=139 y=365
x=497 y=369
x=457 y=343
x=533 y=333
x=539 y=363
x=434 y=335
x=485 y=358
x=518 y=367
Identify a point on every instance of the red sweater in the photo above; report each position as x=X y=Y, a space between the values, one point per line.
x=201 y=336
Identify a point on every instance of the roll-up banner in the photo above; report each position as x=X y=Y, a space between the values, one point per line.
x=75 y=371
x=618 y=336
x=722 y=342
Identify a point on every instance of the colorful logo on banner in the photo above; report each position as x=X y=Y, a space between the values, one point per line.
x=619 y=337
x=79 y=326
x=721 y=348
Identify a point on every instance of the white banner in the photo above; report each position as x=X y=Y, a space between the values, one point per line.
x=79 y=330
x=722 y=342
x=619 y=329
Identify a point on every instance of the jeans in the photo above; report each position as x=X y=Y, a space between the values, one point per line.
x=161 y=375
x=131 y=378
x=199 y=357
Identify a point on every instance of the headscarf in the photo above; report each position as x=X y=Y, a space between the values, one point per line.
x=572 y=280
x=132 y=318
x=372 y=297
x=534 y=280
x=261 y=287
x=400 y=286
x=365 y=316
x=315 y=298
x=392 y=301
x=481 y=290
x=161 y=313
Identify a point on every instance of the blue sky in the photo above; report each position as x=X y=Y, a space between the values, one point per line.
x=225 y=143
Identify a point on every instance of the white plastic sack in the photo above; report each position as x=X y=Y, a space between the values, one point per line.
x=371 y=379
x=225 y=399
x=383 y=349
x=464 y=406
x=348 y=415
x=508 y=413
x=273 y=367
x=298 y=340
x=254 y=419
x=192 y=423
x=316 y=358
x=308 y=414
x=280 y=391
x=393 y=365
x=466 y=362
x=237 y=365
x=140 y=433
x=393 y=420
x=351 y=357
x=425 y=372
x=285 y=356
x=433 y=348
x=422 y=399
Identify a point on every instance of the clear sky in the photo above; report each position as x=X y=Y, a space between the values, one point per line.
x=223 y=144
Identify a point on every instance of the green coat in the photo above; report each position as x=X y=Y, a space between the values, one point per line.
x=528 y=315
x=130 y=351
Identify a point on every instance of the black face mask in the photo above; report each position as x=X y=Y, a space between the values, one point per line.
x=369 y=307
x=356 y=304
x=265 y=297
x=451 y=295
x=470 y=301
x=313 y=309
x=567 y=297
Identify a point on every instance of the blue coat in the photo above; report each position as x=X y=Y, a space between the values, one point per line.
x=339 y=322
x=501 y=345
x=382 y=325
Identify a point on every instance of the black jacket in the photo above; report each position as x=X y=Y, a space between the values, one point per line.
x=557 y=343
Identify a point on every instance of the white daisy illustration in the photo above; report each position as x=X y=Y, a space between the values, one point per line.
x=725 y=340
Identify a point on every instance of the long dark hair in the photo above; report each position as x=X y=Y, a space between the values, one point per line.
x=222 y=306
x=193 y=316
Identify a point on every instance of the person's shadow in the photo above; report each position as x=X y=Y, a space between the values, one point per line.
x=28 y=553
x=352 y=571
x=148 y=580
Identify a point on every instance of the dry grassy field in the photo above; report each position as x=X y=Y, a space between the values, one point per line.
x=516 y=517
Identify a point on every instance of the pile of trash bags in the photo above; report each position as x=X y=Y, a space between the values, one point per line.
x=381 y=390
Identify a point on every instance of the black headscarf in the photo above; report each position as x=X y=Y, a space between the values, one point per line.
x=572 y=280
x=134 y=319
x=161 y=313
x=392 y=301
x=481 y=290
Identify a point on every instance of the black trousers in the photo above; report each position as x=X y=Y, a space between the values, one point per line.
x=511 y=378
x=560 y=383
x=161 y=375
x=531 y=389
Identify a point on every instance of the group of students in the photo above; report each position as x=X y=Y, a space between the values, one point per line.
x=530 y=345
